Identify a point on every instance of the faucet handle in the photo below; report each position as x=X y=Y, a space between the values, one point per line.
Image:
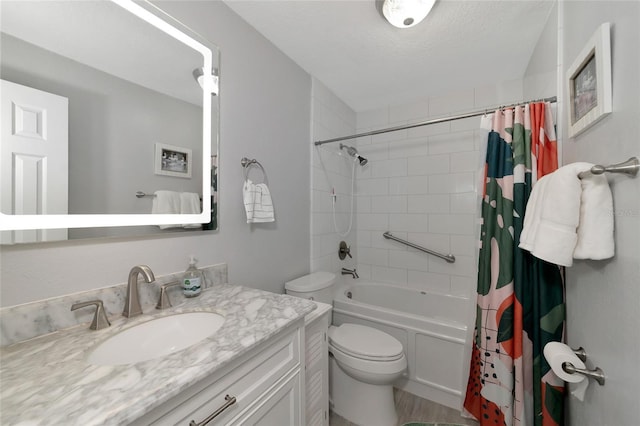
x=100 y=319
x=163 y=301
x=344 y=251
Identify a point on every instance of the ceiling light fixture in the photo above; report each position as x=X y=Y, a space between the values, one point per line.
x=406 y=13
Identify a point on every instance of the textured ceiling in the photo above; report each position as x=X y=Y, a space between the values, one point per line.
x=368 y=63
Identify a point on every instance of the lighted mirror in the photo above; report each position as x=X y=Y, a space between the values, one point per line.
x=109 y=121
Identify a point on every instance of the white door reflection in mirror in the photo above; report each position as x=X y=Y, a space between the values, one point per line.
x=34 y=157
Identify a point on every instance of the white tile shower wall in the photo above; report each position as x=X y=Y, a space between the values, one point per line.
x=331 y=171
x=421 y=185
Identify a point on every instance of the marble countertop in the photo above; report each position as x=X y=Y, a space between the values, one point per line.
x=47 y=380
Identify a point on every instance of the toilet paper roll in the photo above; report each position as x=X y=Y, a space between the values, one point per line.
x=579 y=389
x=556 y=354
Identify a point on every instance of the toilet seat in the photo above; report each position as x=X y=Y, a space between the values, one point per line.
x=367 y=370
x=365 y=343
x=367 y=354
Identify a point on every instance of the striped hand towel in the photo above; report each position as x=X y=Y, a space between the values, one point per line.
x=257 y=202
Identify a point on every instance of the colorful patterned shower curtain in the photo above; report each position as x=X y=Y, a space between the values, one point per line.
x=520 y=304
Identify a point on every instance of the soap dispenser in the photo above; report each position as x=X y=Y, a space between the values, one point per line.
x=193 y=280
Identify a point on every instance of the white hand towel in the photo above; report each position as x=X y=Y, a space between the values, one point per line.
x=568 y=218
x=595 y=230
x=190 y=204
x=166 y=202
x=257 y=202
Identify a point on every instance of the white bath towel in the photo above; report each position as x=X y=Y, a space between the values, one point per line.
x=257 y=202
x=190 y=204
x=532 y=216
x=568 y=217
x=166 y=202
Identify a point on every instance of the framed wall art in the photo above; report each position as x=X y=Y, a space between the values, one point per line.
x=173 y=160
x=589 y=82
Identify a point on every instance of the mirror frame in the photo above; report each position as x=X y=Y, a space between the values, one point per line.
x=152 y=15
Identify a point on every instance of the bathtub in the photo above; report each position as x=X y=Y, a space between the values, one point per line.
x=430 y=326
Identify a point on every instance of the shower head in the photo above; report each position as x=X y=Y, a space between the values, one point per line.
x=354 y=153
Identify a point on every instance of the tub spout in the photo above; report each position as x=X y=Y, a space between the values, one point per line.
x=351 y=272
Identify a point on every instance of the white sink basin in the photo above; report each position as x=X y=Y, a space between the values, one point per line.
x=156 y=338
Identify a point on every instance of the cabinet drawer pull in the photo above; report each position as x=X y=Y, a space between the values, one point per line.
x=230 y=401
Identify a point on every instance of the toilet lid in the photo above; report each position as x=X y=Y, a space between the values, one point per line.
x=312 y=282
x=365 y=342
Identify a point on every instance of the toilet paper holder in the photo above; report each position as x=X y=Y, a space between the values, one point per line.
x=580 y=353
x=597 y=374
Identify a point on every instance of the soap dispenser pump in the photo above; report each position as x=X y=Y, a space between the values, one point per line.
x=192 y=280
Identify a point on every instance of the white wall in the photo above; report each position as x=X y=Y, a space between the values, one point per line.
x=603 y=296
x=331 y=170
x=540 y=78
x=264 y=112
x=420 y=184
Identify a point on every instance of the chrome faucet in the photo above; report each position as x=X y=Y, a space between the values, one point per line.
x=132 y=306
x=351 y=272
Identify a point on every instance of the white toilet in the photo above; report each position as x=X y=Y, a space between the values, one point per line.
x=364 y=363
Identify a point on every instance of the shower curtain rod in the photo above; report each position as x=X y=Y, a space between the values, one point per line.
x=478 y=113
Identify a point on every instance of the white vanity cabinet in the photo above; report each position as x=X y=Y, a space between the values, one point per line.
x=317 y=366
x=267 y=384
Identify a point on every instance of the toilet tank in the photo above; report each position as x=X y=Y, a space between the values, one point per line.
x=317 y=286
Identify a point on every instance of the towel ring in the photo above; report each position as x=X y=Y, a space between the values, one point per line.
x=247 y=163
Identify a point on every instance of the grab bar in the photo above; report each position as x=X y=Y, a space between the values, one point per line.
x=448 y=257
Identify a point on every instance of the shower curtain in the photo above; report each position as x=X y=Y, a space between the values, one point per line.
x=520 y=300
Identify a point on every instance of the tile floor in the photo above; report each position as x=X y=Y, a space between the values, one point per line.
x=411 y=408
